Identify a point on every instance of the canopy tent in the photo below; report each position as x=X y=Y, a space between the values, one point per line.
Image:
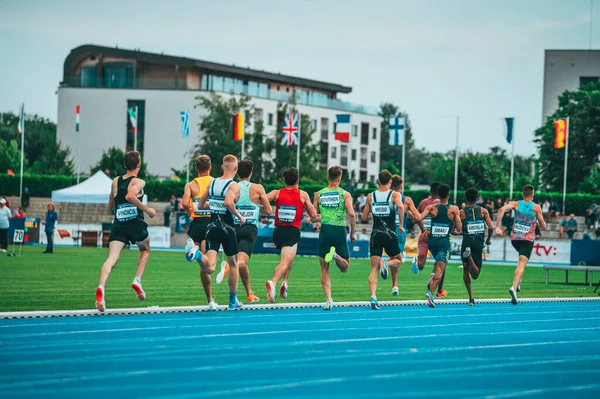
x=94 y=190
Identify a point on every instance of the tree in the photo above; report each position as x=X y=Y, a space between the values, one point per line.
x=10 y=156
x=258 y=148
x=591 y=183
x=583 y=109
x=54 y=160
x=111 y=163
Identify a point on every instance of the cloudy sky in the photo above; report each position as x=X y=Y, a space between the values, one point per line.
x=478 y=59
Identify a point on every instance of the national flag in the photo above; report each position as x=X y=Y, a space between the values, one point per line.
x=238 y=127
x=342 y=128
x=561 y=129
x=509 y=129
x=185 y=123
x=291 y=129
x=21 y=124
x=10 y=172
x=133 y=118
x=77 y=110
x=397 y=130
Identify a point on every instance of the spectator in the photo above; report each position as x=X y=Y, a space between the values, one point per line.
x=480 y=201
x=463 y=205
x=306 y=224
x=18 y=213
x=554 y=211
x=51 y=220
x=586 y=234
x=562 y=226
x=7 y=202
x=591 y=214
x=571 y=226
x=489 y=205
x=363 y=235
x=499 y=203
x=349 y=187
x=5 y=216
x=361 y=202
x=25 y=199
x=317 y=227
x=167 y=212
x=507 y=222
x=546 y=210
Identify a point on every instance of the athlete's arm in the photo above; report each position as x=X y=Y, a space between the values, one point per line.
x=488 y=222
x=265 y=205
x=409 y=203
x=229 y=201
x=272 y=196
x=540 y=216
x=113 y=192
x=187 y=194
x=351 y=214
x=457 y=221
x=310 y=209
x=316 y=205
x=397 y=200
x=365 y=214
x=135 y=187
x=203 y=200
x=429 y=211
x=510 y=206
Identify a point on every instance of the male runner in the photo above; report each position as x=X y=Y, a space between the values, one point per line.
x=383 y=204
x=251 y=199
x=200 y=219
x=444 y=218
x=409 y=206
x=474 y=219
x=221 y=196
x=527 y=214
x=290 y=203
x=334 y=203
x=129 y=226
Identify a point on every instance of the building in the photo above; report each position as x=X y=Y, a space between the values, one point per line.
x=567 y=70
x=105 y=82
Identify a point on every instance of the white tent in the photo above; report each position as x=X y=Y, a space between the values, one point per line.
x=94 y=190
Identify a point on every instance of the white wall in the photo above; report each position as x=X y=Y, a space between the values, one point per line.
x=104 y=124
x=562 y=70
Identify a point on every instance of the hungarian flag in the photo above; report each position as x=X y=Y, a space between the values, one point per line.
x=21 y=124
x=133 y=118
x=342 y=128
x=238 y=127
x=561 y=129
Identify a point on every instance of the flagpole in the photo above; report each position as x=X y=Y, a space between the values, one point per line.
x=565 y=171
x=298 y=152
x=22 y=148
x=404 y=154
x=456 y=160
x=187 y=170
x=512 y=164
x=243 y=141
x=136 y=129
x=78 y=157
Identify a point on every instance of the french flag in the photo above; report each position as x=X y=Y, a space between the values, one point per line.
x=342 y=129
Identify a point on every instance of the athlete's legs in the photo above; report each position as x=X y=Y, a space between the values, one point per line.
x=233 y=272
x=243 y=259
x=144 y=247
x=205 y=273
x=325 y=280
x=466 y=277
x=285 y=263
x=422 y=250
x=472 y=268
x=395 y=271
x=520 y=270
x=114 y=252
x=374 y=275
x=439 y=269
x=441 y=284
x=342 y=264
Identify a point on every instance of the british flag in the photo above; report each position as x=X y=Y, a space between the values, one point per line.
x=291 y=129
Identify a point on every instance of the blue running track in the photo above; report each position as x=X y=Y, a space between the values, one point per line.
x=533 y=350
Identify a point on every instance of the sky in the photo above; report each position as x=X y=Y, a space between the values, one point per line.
x=480 y=60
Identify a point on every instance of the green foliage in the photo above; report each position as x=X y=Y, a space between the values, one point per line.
x=583 y=109
x=258 y=147
x=10 y=156
x=39 y=185
x=591 y=183
x=111 y=163
x=54 y=160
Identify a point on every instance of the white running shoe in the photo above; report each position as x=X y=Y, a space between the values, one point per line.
x=212 y=305
x=188 y=245
x=137 y=287
x=283 y=290
x=223 y=273
x=395 y=290
x=328 y=305
x=270 y=291
x=513 y=296
x=100 y=305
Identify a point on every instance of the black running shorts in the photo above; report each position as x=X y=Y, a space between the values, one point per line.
x=225 y=236
x=333 y=236
x=246 y=237
x=129 y=233
x=523 y=247
x=286 y=236
x=198 y=229
x=476 y=249
x=384 y=240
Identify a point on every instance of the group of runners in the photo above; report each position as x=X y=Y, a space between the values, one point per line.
x=227 y=214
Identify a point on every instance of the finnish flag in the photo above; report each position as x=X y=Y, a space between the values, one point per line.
x=397 y=129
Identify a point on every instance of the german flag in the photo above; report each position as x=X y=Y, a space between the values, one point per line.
x=238 y=127
x=561 y=129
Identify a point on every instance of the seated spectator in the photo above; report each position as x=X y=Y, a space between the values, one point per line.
x=499 y=203
x=360 y=203
x=591 y=213
x=480 y=201
x=571 y=226
x=306 y=225
x=586 y=234
x=363 y=235
x=18 y=213
x=562 y=226
x=546 y=210
x=554 y=211
x=489 y=205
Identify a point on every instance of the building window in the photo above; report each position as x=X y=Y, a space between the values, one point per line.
x=354 y=131
x=333 y=152
x=324 y=154
x=372 y=178
x=363 y=176
x=140 y=107
x=585 y=80
x=324 y=129
x=354 y=155
x=270 y=119
x=344 y=155
x=374 y=133
x=118 y=74
x=364 y=133
x=373 y=157
x=258 y=114
x=88 y=76
x=363 y=158
x=313 y=124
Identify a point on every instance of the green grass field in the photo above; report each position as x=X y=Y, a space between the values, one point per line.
x=67 y=279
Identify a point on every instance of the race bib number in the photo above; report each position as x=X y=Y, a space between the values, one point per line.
x=250 y=213
x=286 y=214
x=217 y=206
x=126 y=212
x=440 y=230
x=381 y=209
x=521 y=228
x=198 y=211
x=427 y=223
x=475 y=228
x=330 y=200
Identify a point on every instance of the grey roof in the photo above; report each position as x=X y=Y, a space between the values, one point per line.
x=79 y=53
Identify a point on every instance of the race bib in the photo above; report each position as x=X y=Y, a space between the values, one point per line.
x=427 y=223
x=286 y=214
x=521 y=227
x=217 y=205
x=475 y=227
x=330 y=200
x=198 y=211
x=440 y=230
x=381 y=209
x=126 y=212
x=249 y=212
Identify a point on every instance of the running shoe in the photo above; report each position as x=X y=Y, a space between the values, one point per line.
x=383 y=268
x=100 y=305
x=252 y=298
x=471 y=302
x=430 y=301
x=188 y=245
x=374 y=304
x=442 y=294
x=223 y=273
x=235 y=305
x=513 y=296
x=212 y=305
x=414 y=267
x=193 y=254
x=136 y=284
x=519 y=286
x=328 y=305
x=283 y=290
x=270 y=291
x=395 y=290
x=467 y=253
x=330 y=255
x=430 y=280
